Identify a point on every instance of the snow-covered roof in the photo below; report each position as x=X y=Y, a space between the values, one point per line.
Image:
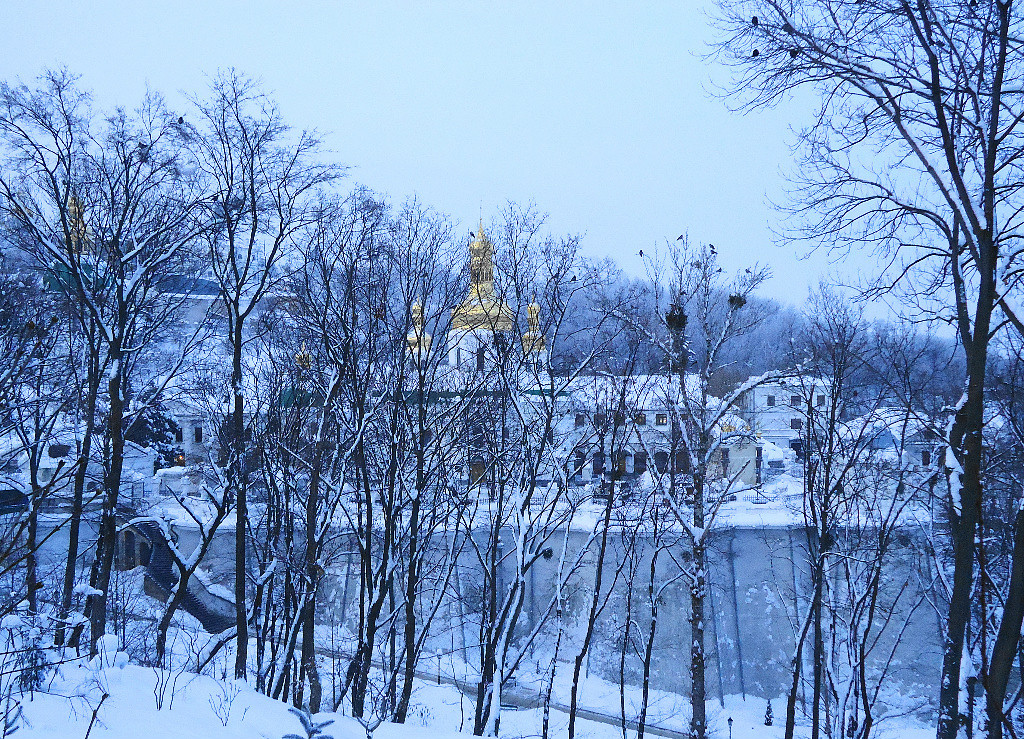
x=642 y=392
x=188 y=285
x=794 y=382
x=890 y=423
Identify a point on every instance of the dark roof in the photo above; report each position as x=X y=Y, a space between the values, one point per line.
x=186 y=285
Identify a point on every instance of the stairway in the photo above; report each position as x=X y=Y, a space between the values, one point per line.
x=215 y=613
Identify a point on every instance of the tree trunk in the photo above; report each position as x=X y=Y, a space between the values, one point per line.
x=817 y=651
x=593 y=613
x=77 y=505
x=312 y=581
x=966 y=435
x=818 y=641
x=31 y=545
x=1008 y=638
x=108 y=519
x=488 y=637
x=238 y=488
x=645 y=691
x=411 y=588
x=698 y=690
x=794 y=687
x=172 y=605
x=309 y=657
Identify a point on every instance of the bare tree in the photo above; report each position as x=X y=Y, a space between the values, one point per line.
x=428 y=271
x=615 y=436
x=263 y=188
x=34 y=395
x=855 y=490
x=701 y=303
x=520 y=447
x=38 y=420
x=207 y=511
x=106 y=212
x=925 y=88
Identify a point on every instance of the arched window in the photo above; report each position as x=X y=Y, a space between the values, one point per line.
x=661 y=462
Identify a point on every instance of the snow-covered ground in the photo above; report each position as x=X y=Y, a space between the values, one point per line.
x=153 y=704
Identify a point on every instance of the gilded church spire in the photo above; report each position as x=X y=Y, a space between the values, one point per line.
x=76 y=223
x=418 y=339
x=481 y=310
x=481 y=263
x=533 y=339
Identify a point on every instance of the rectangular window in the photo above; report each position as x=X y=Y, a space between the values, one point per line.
x=198 y=434
x=770 y=402
x=926 y=457
x=682 y=462
x=640 y=419
x=619 y=462
x=794 y=400
x=477 y=471
x=599 y=419
x=59 y=450
x=598 y=463
x=581 y=420
x=661 y=419
x=480 y=358
x=178 y=436
x=640 y=463
x=821 y=401
x=796 y=424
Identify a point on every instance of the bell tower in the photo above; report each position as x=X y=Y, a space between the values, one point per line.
x=482 y=319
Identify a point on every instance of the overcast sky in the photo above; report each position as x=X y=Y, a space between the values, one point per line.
x=598 y=114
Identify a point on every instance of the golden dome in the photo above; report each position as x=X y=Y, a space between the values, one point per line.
x=481 y=310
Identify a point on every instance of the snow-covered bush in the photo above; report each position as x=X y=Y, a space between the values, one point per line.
x=313 y=729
